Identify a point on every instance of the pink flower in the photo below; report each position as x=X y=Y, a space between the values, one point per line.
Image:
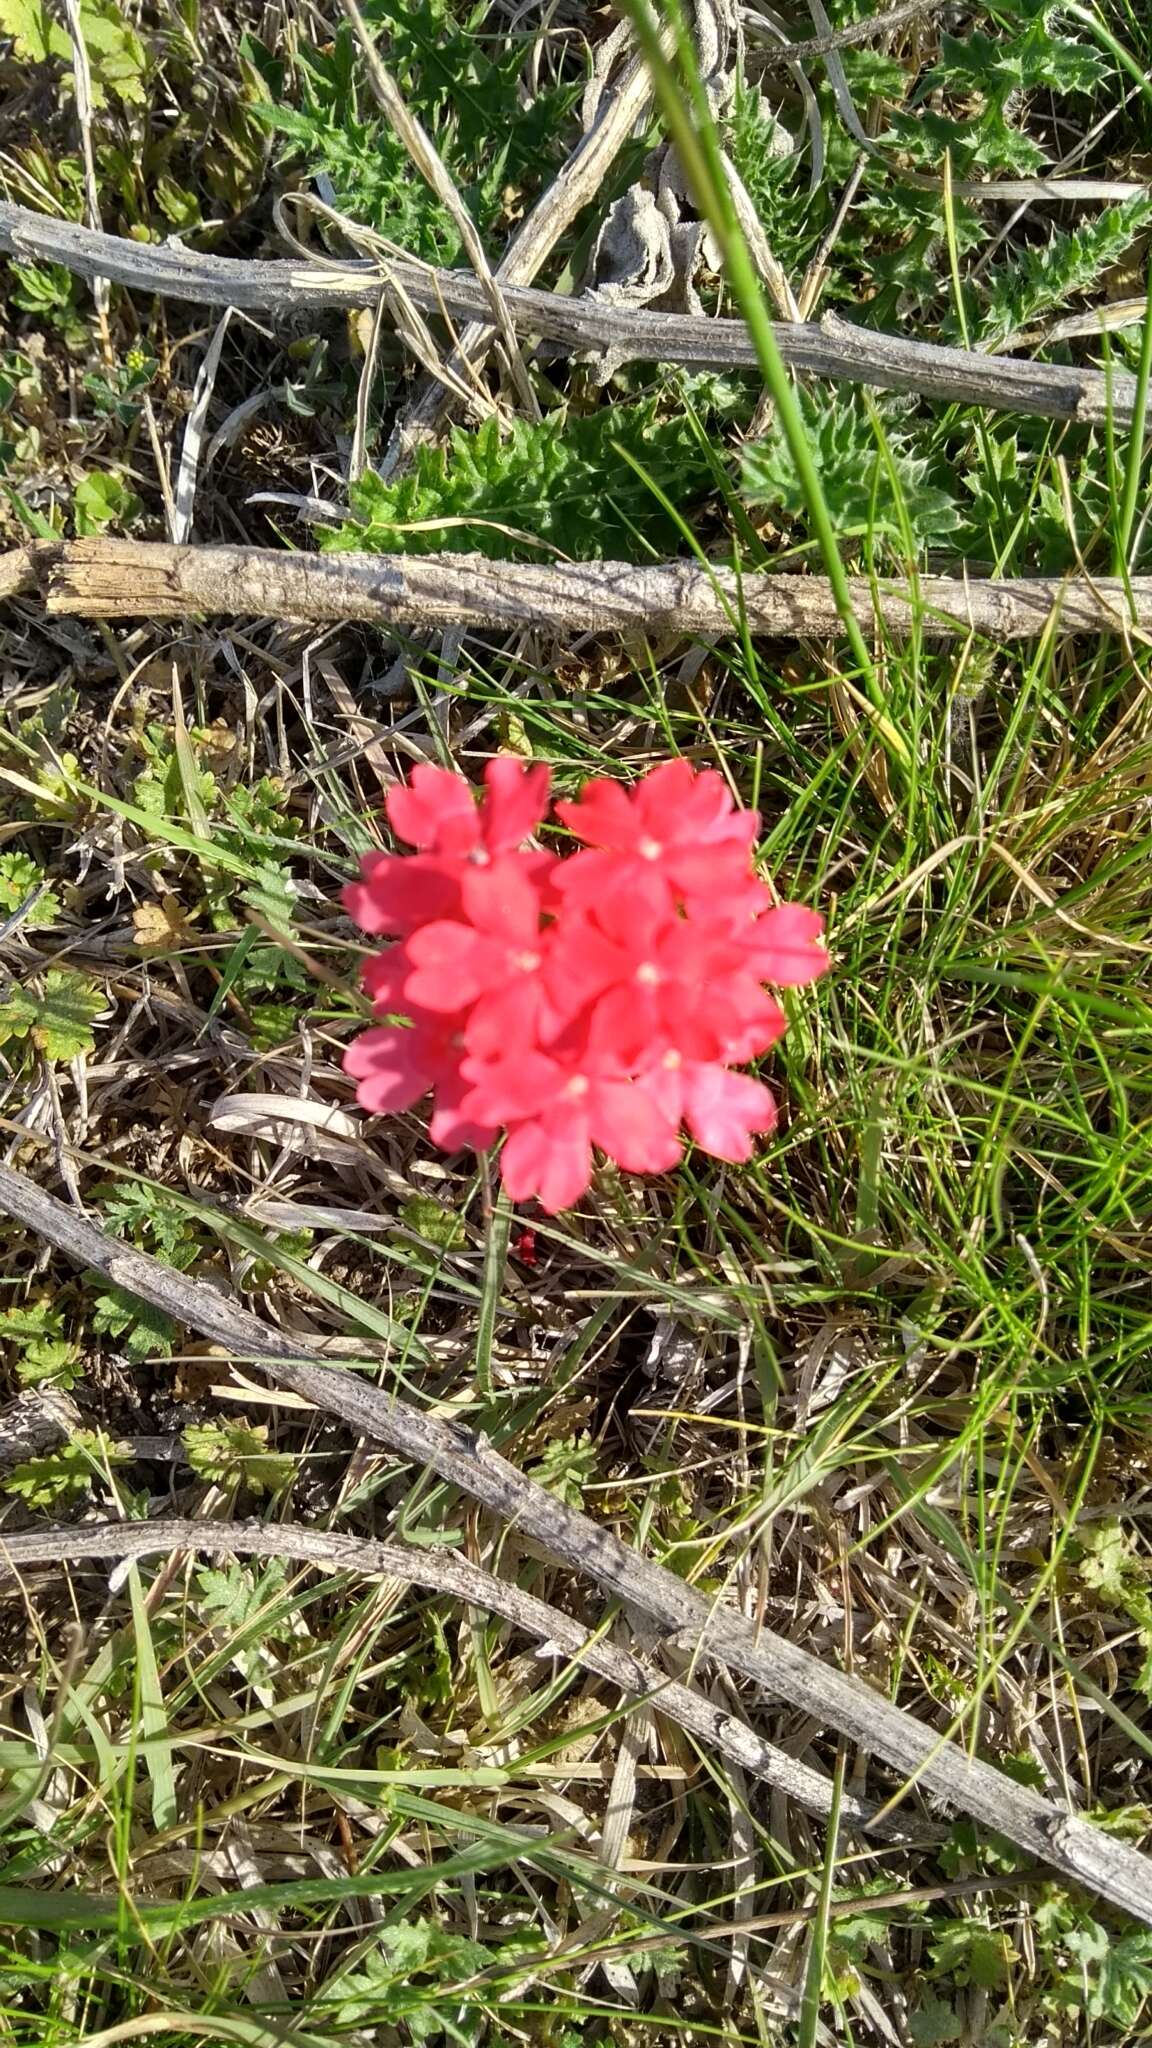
x=657 y=981
x=556 y=1112
x=436 y=811
x=394 y=1065
x=595 y=1003
x=676 y=824
x=785 y=946
x=493 y=963
x=723 y=1110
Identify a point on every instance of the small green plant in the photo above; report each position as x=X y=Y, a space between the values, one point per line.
x=559 y=484
x=42 y=1352
x=1113 y=1569
x=116 y=394
x=1100 y=1971
x=139 y=1330
x=498 y=136
x=1058 y=271
x=876 y=484
x=567 y=1467
x=150 y=1220
x=232 y=1455
x=116 y=56
x=404 y=1980
x=55 y=1018
x=991 y=75
x=52 y=295
x=58 y=1478
x=236 y=1598
x=21 y=878
x=101 y=500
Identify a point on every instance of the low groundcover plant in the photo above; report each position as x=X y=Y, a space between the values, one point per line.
x=601 y=997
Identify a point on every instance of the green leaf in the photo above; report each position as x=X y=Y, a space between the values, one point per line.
x=972 y=1953
x=935 y=2024
x=231 y=1454
x=1110 y=1562
x=43 y=1353
x=1114 y=1977
x=568 y=484
x=55 y=1361
x=152 y=1220
x=101 y=500
x=567 y=1466
x=116 y=55
x=238 y=1598
x=19 y=879
x=36 y=35
x=58 y=1022
x=431 y=1220
x=856 y=475
x=1038 y=278
x=145 y=1331
x=66 y=1474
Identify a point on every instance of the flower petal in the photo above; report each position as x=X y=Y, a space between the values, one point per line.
x=507 y=1020
x=503 y=900
x=397 y=892
x=507 y=1091
x=785 y=945
x=392 y=1066
x=551 y=1158
x=434 y=809
x=516 y=802
x=723 y=1110
x=383 y=976
x=451 y=1127
x=603 y=815
x=451 y=965
x=629 y=1124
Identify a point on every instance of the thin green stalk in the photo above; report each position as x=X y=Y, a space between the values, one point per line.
x=1134 y=464
x=495 y=1263
x=692 y=129
x=808 y=2031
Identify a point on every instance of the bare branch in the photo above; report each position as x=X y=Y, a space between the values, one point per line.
x=451 y=1573
x=123 y=579
x=465 y=1458
x=832 y=348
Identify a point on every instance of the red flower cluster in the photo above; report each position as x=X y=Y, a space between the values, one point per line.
x=600 y=998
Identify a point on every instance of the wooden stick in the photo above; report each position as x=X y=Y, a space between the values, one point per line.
x=465 y=1458
x=450 y=1573
x=127 y=579
x=831 y=348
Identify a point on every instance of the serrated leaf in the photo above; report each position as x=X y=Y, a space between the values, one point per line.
x=272 y=895
x=566 y=483
x=116 y=56
x=145 y=1332
x=856 y=475
x=58 y=1021
x=972 y=1953
x=236 y=1453
x=19 y=879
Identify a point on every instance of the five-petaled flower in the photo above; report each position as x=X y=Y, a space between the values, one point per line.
x=598 y=1000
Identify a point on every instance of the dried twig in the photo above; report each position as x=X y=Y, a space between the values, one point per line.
x=577 y=182
x=465 y=1458
x=432 y=168
x=832 y=348
x=123 y=579
x=450 y=1573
